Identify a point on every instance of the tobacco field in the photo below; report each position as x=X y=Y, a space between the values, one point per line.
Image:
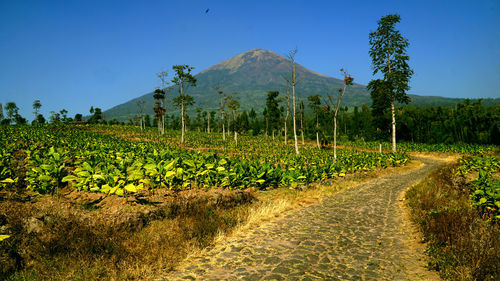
x=46 y=159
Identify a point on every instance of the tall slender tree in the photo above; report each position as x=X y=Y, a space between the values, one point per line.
x=36 y=108
x=222 y=108
x=159 y=106
x=159 y=109
x=341 y=92
x=12 y=111
x=388 y=53
x=293 y=83
x=183 y=79
x=272 y=112
x=234 y=105
x=140 y=111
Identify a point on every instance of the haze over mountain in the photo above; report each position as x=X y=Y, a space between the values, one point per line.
x=251 y=75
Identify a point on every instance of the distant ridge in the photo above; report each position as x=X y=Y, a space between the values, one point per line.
x=255 y=72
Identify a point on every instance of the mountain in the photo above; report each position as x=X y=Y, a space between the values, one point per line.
x=251 y=75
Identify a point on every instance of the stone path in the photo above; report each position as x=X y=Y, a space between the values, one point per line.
x=356 y=234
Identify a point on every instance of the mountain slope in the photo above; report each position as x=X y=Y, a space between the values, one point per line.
x=251 y=75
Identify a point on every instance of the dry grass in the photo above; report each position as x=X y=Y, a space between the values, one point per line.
x=461 y=246
x=441 y=156
x=272 y=204
x=58 y=240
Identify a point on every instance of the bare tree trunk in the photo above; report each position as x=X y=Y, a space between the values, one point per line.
x=223 y=130
x=286 y=133
x=273 y=134
x=287 y=113
x=393 y=127
x=302 y=128
x=182 y=122
x=292 y=57
x=335 y=137
x=267 y=127
x=294 y=124
x=208 y=125
x=339 y=99
x=236 y=137
x=317 y=140
x=380 y=147
x=393 y=116
x=162 y=124
x=317 y=133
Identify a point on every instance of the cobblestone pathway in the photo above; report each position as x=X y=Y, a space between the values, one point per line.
x=357 y=234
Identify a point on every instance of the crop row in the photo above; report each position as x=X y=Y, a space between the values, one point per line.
x=485 y=188
x=463 y=148
x=55 y=157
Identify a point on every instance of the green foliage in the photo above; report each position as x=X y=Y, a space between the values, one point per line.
x=97 y=117
x=272 y=112
x=7 y=174
x=462 y=148
x=103 y=163
x=46 y=168
x=485 y=189
x=388 y=53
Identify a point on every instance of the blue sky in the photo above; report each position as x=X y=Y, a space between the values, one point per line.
x=74 y=54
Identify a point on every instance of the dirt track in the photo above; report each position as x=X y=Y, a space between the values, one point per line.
x=357 y=234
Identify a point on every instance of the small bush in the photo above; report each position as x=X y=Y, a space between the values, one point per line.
x=461 y=245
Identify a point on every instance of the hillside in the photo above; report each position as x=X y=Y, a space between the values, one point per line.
x=251 y=75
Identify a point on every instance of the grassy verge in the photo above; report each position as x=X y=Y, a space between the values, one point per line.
x=60 y=241
x=461 y=246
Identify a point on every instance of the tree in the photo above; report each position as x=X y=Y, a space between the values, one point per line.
x=12 y=111
x=183 y=79
x=293 y=82
x=222 y=108
x=55 y=117
x=159 y=106
x=243 y=122
x=315 y=105
x=78 y=117
x=159 y=109
x=140 y=109
x=341 y=92
x=272 y=112
x=97 y=117
x=39 y=119
x=301 y=118
x=1 y=112
x=64 y=115
x=234 y=105
x=20 y=120
x=199 y=121
x=287 y=110
x=211 y=116
x=388 y=53
x=254 y=125
x=381 y=102
x=147 y=121
x=36 y=108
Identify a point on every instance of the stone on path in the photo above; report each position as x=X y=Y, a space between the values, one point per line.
x=356 y=234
